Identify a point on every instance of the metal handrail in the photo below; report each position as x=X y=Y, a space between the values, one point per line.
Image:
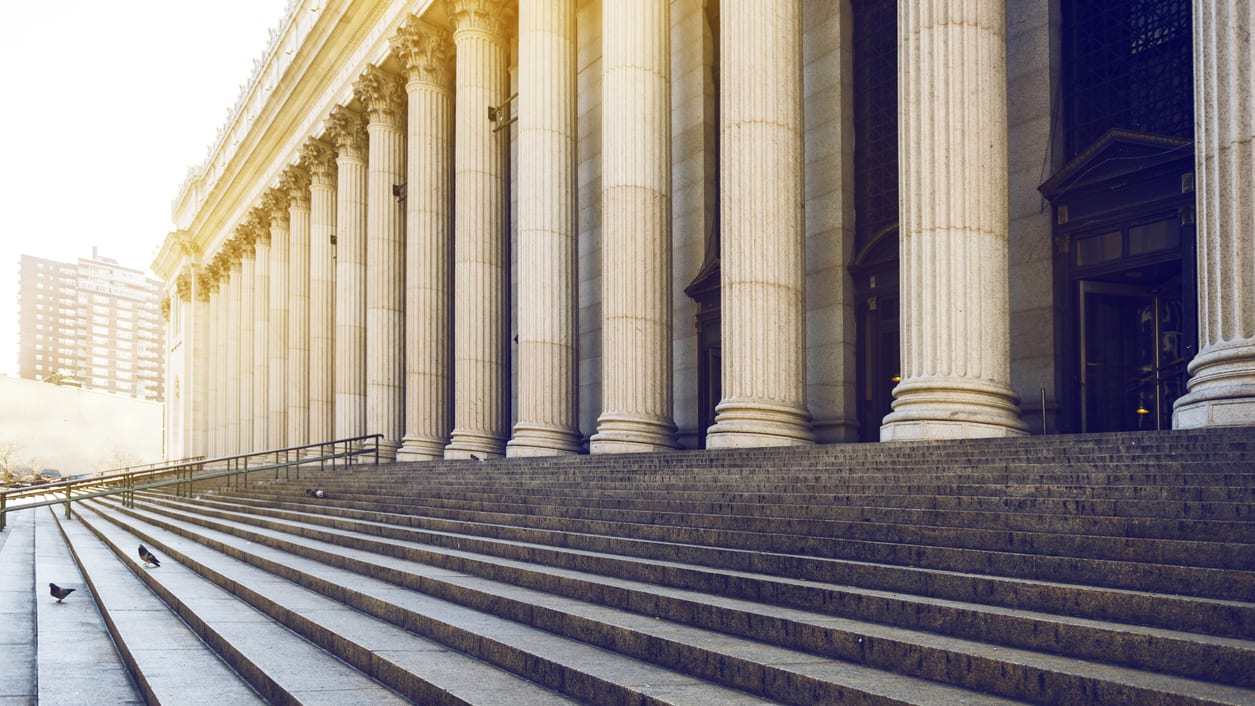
x=185 y=473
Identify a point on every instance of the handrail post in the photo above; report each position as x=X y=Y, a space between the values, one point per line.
x=67 y=501
x=4 y=511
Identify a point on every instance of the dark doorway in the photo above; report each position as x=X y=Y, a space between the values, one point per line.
x=1132 y=355
x=879 y=357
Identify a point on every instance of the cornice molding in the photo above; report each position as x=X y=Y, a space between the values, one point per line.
x=426 y=51
x=383 y=94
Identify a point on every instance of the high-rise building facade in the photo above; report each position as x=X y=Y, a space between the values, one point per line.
x=516 y=227
x=92 y=322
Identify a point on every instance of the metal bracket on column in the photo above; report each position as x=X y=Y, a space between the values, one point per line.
x=500 y=114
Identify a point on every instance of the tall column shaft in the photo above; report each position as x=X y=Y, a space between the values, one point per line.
x=547 y=299
x=261 y=340
x=198 y=378
x=955 y=318
x=1221 y=390
x=318 y=160
x=277 y=337
x=636 y=241
x=244 y=353
x=426 y=52
x=349 y=133
x=480 y=354
x=763 y=230
x=234 y=337
x=383 y=95
x=212 y=356
x=221 y=354
x=296 y=185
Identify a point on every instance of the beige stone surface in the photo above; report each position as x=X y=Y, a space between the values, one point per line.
x=383 y=94
x=277 y=202
x=762 y=251
x=636 y=220
x=1222 y=375
x=318 y=159
x=956 y=365
x=295 y=368
x=480 y=347
x=546 y=275
x=348 y=133
x=426 y=52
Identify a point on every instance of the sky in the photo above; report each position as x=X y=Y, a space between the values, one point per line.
x=106 y=106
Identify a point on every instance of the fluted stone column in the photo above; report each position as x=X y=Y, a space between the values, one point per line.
x=276 y=205
x=216 y=385
x=481 y=360
x=348 y=132
x=234 y=338
x=547 y=287
x=198 y=382
x=245 y=355
x=221 y=268
x=1221 y=389
x=318 y=159
x=209 y=290
x=955 y=319
x=763 y=230
x=261 y=331
x=636 y=240
x=295 y=184
x=426 y=52
x=383 y=94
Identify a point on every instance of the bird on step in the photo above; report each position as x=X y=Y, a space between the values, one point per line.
x=315 y=493
x=476 y=458
x=58 y=592
x=148 y=557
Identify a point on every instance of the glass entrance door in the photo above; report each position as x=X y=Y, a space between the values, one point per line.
x=1132 y=355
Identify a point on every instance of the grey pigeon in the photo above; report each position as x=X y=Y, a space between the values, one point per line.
x=476 y=458
x=58 y=592
x=147 y=556
x=315 y=493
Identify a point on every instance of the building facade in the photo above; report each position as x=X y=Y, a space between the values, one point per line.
x=522 y=227
x=92 y=321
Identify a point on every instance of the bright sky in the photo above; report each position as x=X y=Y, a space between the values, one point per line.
x=108 y=104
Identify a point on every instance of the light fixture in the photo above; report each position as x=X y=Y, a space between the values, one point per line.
x=896 y=379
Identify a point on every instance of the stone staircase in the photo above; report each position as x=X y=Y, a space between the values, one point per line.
x=1112 y=569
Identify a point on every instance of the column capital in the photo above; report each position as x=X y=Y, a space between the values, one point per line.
x=383 y=94
x=426 y=51
x=257 y=227
x=295 y=183
x=206 y=282
x=275 y=204
x=347 y=131
x=494 y=17
x=318 y=159
x=183 y=285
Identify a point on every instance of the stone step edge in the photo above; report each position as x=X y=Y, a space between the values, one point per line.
x=581 y=685
x=944 y=655
x=1103 y=602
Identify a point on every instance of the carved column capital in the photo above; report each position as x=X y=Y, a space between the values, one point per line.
x=318 y=158
x=426 y=51
x=165 y=309
x=295 y=183
x=383 y=94
x=206 y=283
x=258 y=226
x=347 y=131
x=275 y=204
x=183 y=285
x=495 y=17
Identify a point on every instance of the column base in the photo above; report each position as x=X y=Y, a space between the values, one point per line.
x=464 y=443
x=949 y=408
x=542 y=440
x=1221 y=389
x=741 y=424
x=414 y=448
x=388 y=450
x=618 y=434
